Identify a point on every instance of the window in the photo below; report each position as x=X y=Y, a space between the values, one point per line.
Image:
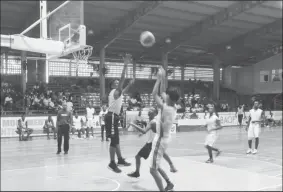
x=204 y=74
x=189 y=73
x=264 y=76
x=276 y=75
x=12 y=66
x=59 y=68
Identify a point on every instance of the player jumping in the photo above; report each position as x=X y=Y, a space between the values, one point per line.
x=146 y=149
x=164 y=124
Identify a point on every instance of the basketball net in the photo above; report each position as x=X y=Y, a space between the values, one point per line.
x=81 y=56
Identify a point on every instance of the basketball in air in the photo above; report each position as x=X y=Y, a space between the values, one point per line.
x=147 y=39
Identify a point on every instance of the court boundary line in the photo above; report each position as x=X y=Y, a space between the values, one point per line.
x=106 y=178
x=182 y=157
x=107 y=143
x=184 y=149
x=268 y=187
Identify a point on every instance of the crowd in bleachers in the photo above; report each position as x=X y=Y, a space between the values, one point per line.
x=37 y=98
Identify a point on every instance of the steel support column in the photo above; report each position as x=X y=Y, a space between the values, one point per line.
x=165 y=66
x=182 y=80
x=216 y=79
x=102 y=75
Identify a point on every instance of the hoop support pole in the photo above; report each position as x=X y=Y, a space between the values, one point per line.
x=48 y=15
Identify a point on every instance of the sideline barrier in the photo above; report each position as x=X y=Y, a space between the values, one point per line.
x=226 y=118
x=9 y=125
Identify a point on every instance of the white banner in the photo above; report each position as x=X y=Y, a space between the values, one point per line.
x=226 y=118
x=9 y=124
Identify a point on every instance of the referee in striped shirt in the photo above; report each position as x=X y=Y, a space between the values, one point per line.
x=64 y=120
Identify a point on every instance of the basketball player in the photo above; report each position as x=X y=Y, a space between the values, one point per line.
x=145 y=151
x=241 y=114
x=84 y=127
x=164 y=123
x=77 y=124
x=49 y=126
x=22 y=128
x=255 y=119
x=89 y=114
x=212 y=125
x=102 y=114
x=115 y=100
x=64 y=122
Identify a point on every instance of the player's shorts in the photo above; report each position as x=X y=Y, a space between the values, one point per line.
x=210 y=139
x=254 y=130
x=89 y=123
x=240 y=118
x=159 y=147
x=145 y=151
x=111 y=127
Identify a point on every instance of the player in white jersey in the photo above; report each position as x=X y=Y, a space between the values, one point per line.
x=102 y=114
x=22 y=128
x=213 y=125
x=115 y=100
x=164 y=123
x=256 y=116
x=77 y=124
x=50 y=126
x=146 y=149
x=90 y=120
x=241 y=114
x=84 y=127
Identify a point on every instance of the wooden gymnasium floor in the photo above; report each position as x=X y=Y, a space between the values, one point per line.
x=33 y=165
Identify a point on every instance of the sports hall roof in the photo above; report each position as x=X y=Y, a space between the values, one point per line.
x=237 y=32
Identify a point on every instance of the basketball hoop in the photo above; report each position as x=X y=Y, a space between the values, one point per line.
x=82 y=55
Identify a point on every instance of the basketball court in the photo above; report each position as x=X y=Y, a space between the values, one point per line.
x=34 y=165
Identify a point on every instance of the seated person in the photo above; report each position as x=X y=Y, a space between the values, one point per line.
x=49 y=126
x=22 y=129
x=270 y=121
x=194 y=115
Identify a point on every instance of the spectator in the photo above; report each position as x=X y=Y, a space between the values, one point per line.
x=49 y=126
x=22 y=129
x=194 y=115
x=8 y=102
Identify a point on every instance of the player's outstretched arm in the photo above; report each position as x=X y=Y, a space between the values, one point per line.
x=156 y=98
x=127 y=60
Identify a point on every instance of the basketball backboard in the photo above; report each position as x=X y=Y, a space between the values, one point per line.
x=67 y=26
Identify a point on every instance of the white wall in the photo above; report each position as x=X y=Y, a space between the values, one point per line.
x=274 y=62
x=248 y=78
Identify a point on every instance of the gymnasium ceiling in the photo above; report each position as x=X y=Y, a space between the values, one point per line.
x=238 y=33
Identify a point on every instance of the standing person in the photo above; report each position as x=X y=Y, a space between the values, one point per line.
x=241 y=114
x=102 y=114
x=77 y=125
x=89 y=114
x=164 y=123
x=64 y=122
x=146 y=149
x=115 y=99
x=50 y=126
x=81 y=133
x=212 y=125
x=256 y=116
